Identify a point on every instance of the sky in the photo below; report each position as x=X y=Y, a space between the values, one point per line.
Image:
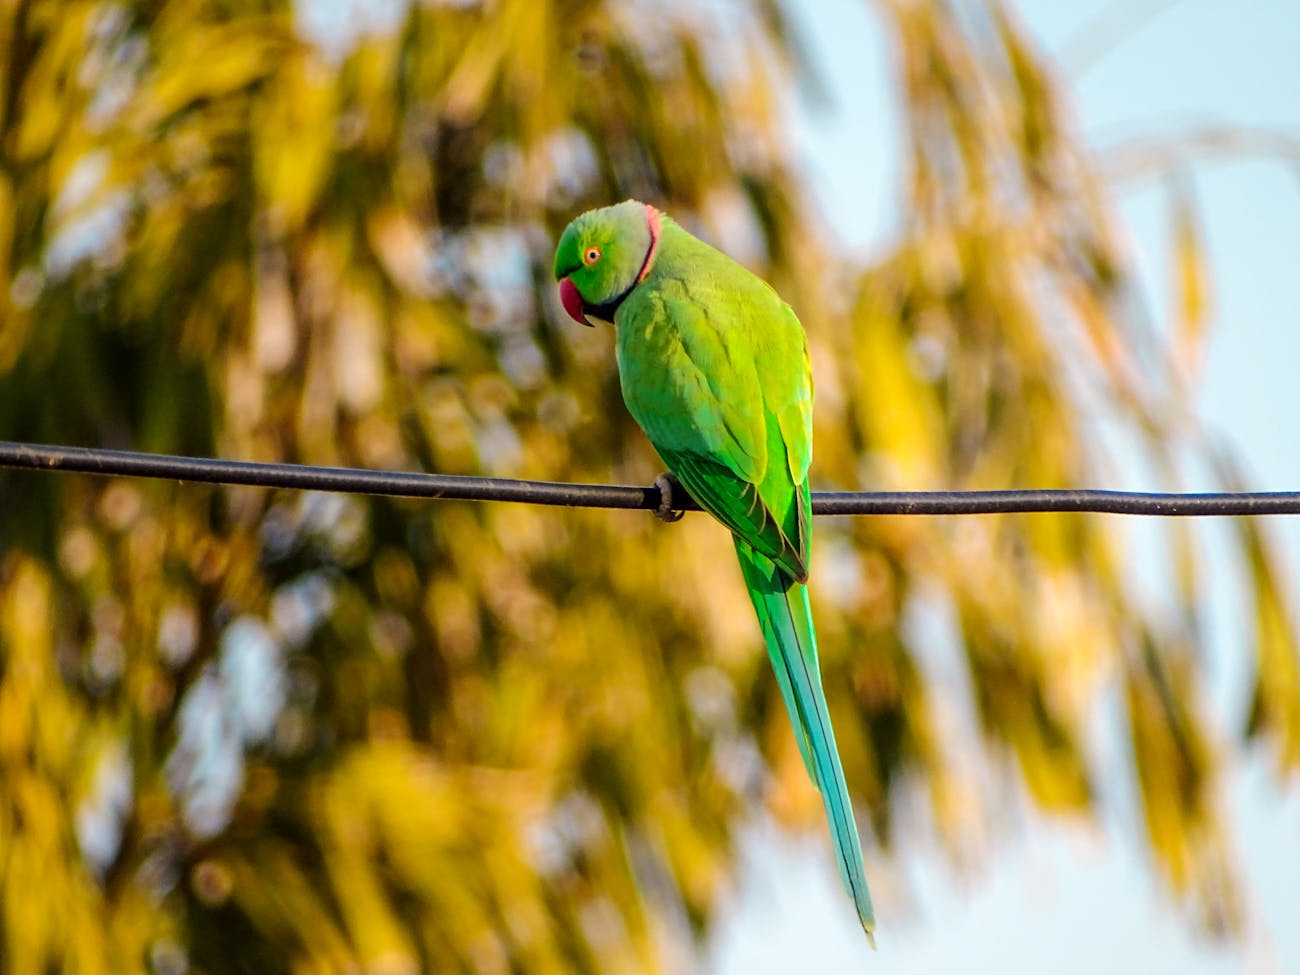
x=1069 y=897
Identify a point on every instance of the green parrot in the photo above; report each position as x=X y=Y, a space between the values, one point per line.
x=714 y=367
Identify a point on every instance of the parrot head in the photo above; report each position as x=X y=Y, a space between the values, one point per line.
x=602 y=255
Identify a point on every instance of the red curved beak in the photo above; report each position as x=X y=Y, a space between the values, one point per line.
x=572 y=302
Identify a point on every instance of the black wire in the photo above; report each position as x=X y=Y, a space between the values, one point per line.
x=405 y=484
x=399 y=484
x=1060 y=499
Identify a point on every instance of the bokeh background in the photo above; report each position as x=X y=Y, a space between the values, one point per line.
x=263 y=731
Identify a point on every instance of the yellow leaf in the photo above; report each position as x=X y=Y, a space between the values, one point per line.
x=1192 y=286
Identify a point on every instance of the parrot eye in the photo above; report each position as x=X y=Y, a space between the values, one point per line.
x=591 y=255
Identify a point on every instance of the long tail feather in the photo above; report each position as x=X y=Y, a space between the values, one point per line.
x=786 y=620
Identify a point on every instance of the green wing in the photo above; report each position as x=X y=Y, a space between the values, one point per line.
x=718 y=378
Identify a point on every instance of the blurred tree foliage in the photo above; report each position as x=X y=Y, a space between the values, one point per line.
x=253 y=731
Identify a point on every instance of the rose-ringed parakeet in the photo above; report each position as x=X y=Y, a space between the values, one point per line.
x=714 y=367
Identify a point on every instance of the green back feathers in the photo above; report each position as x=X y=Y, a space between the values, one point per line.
x=735 y=412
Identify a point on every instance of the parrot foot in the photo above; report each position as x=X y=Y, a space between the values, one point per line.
x=665 y=482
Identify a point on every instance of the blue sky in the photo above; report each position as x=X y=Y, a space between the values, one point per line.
x=1059 y=897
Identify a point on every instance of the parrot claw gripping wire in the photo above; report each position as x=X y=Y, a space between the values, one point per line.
x=665 y=482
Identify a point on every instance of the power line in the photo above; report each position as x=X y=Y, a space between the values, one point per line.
x=406 y=484
x=398 y=484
